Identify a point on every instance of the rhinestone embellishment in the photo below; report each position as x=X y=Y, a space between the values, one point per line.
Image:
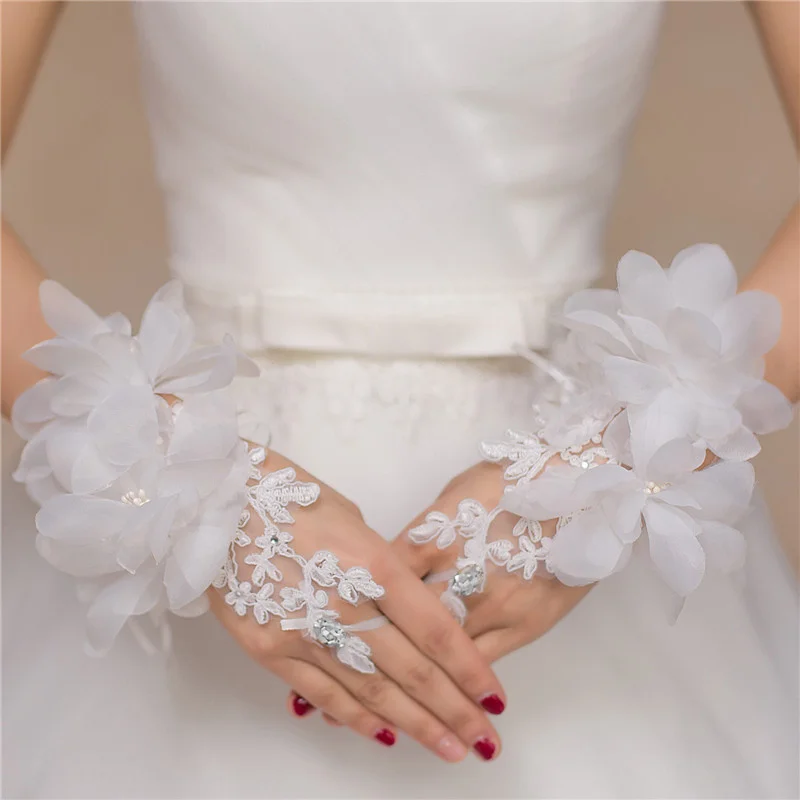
x=328 y=632
x=467 y=581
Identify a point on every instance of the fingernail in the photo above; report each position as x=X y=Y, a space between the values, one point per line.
x=385 y=736
x=485 y=748
x=451 y=749
x=493 y=704
x=301 y=706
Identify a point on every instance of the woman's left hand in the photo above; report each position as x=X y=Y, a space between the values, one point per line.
x=510 y=612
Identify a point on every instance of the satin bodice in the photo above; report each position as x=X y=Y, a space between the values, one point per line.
x=389 y=178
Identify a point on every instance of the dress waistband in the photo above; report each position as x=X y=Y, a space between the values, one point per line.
x=380 y=324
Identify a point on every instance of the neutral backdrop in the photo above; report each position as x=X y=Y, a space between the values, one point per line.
x=711 y=160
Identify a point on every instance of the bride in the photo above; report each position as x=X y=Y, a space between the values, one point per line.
x=381 y=204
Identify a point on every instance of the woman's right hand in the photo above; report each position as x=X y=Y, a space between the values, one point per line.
x=429 y=678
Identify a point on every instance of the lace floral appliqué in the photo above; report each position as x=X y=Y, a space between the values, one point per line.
x=269 y=496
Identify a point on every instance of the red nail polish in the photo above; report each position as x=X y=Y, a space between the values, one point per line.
x=493 y=704
x=485 y=749
x=385 y=736
x=301 y=706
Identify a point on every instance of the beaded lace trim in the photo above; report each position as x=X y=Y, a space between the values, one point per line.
x=269 y=496
x=528 y=455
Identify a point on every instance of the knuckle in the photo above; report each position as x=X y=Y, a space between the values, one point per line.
x=325 y=699
x=361 y=721
x=258 y=646
x=461 y=720
x=353 y=509
x=372 y=692
x=419 y=678
x=379 y=564
x=438 y=640
x=470 y=679
x=428 y=732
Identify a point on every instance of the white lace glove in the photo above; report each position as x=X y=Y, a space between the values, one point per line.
x=650 y=379
x=151 y=502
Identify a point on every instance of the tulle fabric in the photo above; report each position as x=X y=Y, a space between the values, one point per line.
x=613 y=702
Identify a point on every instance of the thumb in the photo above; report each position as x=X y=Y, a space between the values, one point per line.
x=422 y=558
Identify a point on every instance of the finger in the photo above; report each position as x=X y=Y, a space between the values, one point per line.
x=423 y=680
x=421 y=616
x=497 y=643
x=423 y=559
x=332 y=699
x=298 y=705
x=384 y=697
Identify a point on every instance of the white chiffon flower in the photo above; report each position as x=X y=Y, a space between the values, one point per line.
x=141 y=498
x=102 y=412
x=680 y=346
x=688 y=515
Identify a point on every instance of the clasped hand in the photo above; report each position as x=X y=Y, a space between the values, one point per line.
x=429 y=677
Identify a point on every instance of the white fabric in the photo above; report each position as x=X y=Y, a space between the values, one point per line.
x=412 y=151
x=613 y=702
x=398 y=178
x=261 y=556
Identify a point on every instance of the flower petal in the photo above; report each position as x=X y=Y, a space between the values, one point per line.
x=76 y=463
x=78 y=394
x=82 y=519
x=765 y=409
x=205 y=428
x=723 y=490
x=741 y=445
x=750 y=324
x=127 y=596
x=206 y=369
x=62 y=357
x=702 y=278
x=33 y=462
x=674 y=459
x=196 y=558
x=585 y=550
x=633 y=381
x=66 y=314
x=124 y=428
x=32 y=408
x=646 y=331
x=167 y=332
x=676 y=553
x=644 y=290
x=692 y=335
x=671 y=415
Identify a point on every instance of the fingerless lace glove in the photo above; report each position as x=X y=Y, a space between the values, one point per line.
x=650 y=379
x=147 y=500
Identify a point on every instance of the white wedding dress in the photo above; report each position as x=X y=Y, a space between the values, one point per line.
x=379 y=201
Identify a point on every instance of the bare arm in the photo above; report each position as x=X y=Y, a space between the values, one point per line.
x=26 y=29
x=778 y=269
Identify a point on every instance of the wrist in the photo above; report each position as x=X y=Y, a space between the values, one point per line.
x=671 y=364
x=134 y=456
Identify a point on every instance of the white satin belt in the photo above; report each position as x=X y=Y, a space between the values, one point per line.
x=444 y=325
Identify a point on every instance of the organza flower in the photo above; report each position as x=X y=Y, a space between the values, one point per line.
x=680 y=346
x=688 y=515
x=139 y=497
x=102 y=412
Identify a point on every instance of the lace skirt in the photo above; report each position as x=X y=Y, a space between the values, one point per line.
x=613 y=702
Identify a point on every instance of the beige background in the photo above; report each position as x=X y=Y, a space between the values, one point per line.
x=711 y=160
